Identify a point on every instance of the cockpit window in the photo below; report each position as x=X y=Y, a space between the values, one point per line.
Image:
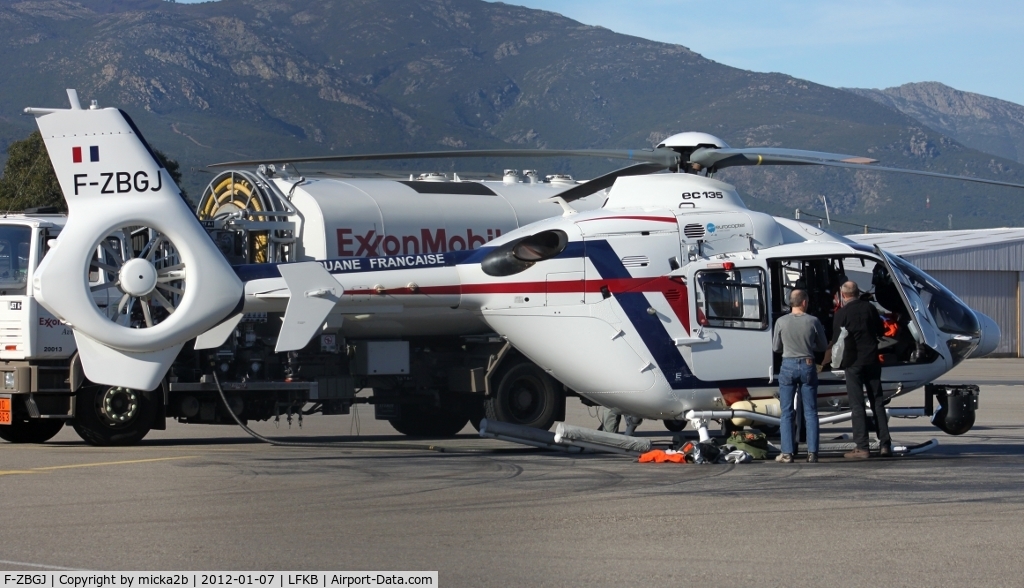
x=731 y=298
x=950 y=313
x=15 y=246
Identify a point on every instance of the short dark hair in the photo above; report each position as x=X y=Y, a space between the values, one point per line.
x=797 y=298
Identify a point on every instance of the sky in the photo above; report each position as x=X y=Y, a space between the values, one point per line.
x=974 y=46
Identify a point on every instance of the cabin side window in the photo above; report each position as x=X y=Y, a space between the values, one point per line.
x=731 y=298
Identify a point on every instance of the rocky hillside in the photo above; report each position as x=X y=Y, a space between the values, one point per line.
x=244 y=78
x=980 y=122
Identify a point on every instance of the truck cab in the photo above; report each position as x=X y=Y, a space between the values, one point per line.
x=36 y=349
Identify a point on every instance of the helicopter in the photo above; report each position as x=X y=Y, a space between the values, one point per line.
x=660 y=302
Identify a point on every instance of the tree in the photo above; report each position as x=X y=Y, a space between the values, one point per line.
x=173 y=168
x=29 y=180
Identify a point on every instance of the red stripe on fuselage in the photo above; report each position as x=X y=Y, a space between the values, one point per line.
x=615 y=286
x=675 y=292
x=656 y=219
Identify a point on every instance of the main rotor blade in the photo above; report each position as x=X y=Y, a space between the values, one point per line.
x=663 y=156
x=601 y=182
x=722 y=158
x=729 y=157
x=916 y=172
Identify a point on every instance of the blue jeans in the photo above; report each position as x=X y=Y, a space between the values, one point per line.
x=798 y=372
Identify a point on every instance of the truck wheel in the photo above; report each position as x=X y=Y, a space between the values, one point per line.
x=524 y=395
x=113 y=415
x=31 y=431
x=430 y=423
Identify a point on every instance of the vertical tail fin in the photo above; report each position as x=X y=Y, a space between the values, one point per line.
x=169 y=289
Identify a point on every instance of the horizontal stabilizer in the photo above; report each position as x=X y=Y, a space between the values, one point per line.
x=113 y=367
x=216 y=336
x=313 y=294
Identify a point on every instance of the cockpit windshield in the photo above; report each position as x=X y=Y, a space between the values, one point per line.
x=14 y=254
x=950 y=313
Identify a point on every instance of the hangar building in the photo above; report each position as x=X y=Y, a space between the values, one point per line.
x=985 y=268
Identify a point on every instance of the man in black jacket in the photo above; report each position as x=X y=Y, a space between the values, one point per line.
x=863 y=370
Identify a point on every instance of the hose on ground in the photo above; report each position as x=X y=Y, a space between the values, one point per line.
x=356 y=444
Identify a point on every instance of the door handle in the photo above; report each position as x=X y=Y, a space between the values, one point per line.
x=681 y=341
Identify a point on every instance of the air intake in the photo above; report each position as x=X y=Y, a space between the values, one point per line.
x=635 y=261
x=693 y=231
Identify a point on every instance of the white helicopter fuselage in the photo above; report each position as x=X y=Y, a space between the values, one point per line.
x=661 y=302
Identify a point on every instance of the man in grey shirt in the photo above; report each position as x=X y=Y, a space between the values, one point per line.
x=798 y=336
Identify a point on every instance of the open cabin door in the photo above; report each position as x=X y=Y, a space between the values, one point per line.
x=921 y=327
x=729 y=321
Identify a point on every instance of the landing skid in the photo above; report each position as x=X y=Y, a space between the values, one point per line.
x=841 y=447
x=828 y=447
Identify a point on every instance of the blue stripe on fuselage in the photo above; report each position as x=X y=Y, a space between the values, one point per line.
x=351 y=265
x=607 y=262
x=650 y=328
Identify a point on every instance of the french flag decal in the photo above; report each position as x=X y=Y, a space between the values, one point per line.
x=94 y=154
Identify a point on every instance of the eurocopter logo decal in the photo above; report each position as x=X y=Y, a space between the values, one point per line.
x=711 y=227
x=94 y=154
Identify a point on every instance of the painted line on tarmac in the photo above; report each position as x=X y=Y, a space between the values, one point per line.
x=48 y=469
x=44 y=566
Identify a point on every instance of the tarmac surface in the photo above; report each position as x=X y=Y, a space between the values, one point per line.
x=487 y=513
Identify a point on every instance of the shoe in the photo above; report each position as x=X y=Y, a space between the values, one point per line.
x=885 y=451
x=812 y=458
x=784 y=458
x=857 y=454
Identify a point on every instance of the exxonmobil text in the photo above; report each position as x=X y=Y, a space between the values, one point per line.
x=372 y=244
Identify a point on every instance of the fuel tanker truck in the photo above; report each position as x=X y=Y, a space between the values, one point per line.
x=427 y=371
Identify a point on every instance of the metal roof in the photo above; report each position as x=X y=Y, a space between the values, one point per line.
x=927 y=242
x=974 y=250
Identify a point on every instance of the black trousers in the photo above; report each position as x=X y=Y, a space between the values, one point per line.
x=858 y=379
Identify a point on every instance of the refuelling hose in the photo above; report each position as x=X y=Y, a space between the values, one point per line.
x=359 y=444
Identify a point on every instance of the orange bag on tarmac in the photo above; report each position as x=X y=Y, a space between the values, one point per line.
x=660 y=456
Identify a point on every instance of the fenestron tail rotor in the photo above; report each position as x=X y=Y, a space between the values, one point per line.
x=144 y=272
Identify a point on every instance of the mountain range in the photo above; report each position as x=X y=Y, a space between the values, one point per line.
x=240 y=79
x=980 y=122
